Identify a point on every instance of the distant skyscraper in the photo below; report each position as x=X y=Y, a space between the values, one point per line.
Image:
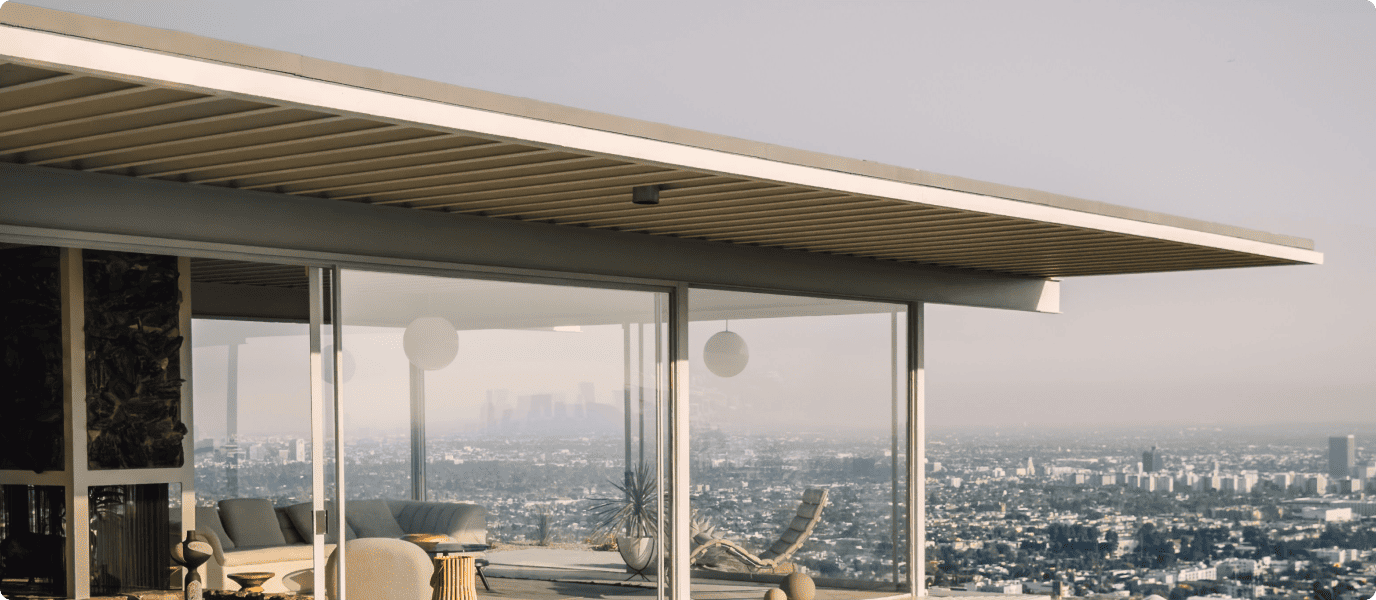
x=1283 y=481
x=541 y=407
x=1151 y=460
x=1316 y=485
x=1342 y=455
x=298 y=451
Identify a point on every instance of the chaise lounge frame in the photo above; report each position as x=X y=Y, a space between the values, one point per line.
x=775 y=559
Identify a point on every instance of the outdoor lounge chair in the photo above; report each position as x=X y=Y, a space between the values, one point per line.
x=775 y=559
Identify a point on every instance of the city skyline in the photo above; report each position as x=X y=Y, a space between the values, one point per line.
x=1235 y=514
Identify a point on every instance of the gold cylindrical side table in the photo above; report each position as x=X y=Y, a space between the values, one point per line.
x=454 y=576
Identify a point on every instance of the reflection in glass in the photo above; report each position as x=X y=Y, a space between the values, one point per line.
x=133 y=528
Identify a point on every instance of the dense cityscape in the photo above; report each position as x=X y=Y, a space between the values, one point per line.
x=1253 y=514
x=1179 y=514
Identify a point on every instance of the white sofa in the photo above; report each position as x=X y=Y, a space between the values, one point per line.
x=250 y=534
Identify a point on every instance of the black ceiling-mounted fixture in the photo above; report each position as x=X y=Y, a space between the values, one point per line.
x=646 y=194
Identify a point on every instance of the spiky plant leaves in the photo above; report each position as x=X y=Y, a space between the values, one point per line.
x=634 y=512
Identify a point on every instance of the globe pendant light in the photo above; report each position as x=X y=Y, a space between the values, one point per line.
x=726 y=353
x=431 y=343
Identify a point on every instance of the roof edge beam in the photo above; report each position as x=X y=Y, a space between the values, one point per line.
x=62 y=207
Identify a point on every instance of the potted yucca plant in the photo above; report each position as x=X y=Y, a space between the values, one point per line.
x=631 y=519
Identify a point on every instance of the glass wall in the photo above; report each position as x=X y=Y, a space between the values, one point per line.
x=253 y=450
x=798 y=420
x=536 y=406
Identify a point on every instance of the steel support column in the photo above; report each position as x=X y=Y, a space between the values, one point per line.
x=917 y=453
x=679 y=575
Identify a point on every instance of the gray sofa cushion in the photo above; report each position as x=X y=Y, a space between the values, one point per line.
x=372 y=519
x=464 y=523
x=301 y=517
x=251 y=522
x=288 y=528
x=208 y=521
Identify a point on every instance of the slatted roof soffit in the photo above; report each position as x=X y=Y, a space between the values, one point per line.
x=99 y=124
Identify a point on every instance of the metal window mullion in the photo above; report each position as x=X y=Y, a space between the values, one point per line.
x=417 y=433
x=659 y=441
x=317 y=317
x=679 y=573
x=336 y=320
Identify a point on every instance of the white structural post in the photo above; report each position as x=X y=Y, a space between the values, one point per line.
x=317 y=315
x=917 y=452
x=896 y=478
x=73 y=299
x=188 y=477
x=680 y=576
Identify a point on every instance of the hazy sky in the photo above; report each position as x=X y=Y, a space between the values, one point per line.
x=1256 y=113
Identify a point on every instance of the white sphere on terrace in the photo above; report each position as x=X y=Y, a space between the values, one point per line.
x=726 y=354
x=431 y=343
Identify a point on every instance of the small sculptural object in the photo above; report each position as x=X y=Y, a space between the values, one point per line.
x=191 y=553
x=798 y=586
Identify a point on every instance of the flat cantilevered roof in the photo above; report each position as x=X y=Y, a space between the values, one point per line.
x=94 y=95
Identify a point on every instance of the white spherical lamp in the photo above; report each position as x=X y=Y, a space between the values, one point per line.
x=431 y=343
x=726 y=354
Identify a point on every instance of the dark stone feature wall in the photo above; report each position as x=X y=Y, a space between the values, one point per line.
x=31 y=359
x=133 y=361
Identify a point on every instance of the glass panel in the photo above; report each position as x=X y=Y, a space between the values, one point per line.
x=31 y=435
x=33 y=530
x=533 y=407
x=140 y=517
x=798 y=439
x=253 y=441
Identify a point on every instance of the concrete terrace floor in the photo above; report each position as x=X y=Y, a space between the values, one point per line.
x=527 y=573
x=560 y=574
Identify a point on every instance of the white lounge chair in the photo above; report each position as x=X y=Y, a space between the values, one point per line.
x=775 y=559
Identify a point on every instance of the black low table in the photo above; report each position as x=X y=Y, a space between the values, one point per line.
x=447 y=548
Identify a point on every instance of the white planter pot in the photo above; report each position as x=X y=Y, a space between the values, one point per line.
x=638 y=552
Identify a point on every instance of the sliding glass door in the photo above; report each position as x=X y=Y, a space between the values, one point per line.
x=534 y=407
